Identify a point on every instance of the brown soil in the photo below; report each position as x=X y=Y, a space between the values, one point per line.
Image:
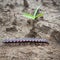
x=14 y=25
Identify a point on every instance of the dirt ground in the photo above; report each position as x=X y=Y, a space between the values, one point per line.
x=14 y=25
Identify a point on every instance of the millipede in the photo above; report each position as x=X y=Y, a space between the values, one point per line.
x=26 y=40
x=20 y=40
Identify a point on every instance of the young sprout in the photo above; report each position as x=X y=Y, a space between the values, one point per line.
x=34 y=16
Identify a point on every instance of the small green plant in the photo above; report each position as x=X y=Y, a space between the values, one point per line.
x=34 y=16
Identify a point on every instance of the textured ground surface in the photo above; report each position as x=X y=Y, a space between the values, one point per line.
x=14 y=25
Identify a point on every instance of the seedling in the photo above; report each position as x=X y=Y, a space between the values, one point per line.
x=34 y=16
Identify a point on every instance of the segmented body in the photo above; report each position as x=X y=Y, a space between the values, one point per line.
x=19 y=40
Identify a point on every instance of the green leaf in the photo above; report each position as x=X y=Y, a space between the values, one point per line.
x=36 y=11
x=28 y=16
x=39 y=15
